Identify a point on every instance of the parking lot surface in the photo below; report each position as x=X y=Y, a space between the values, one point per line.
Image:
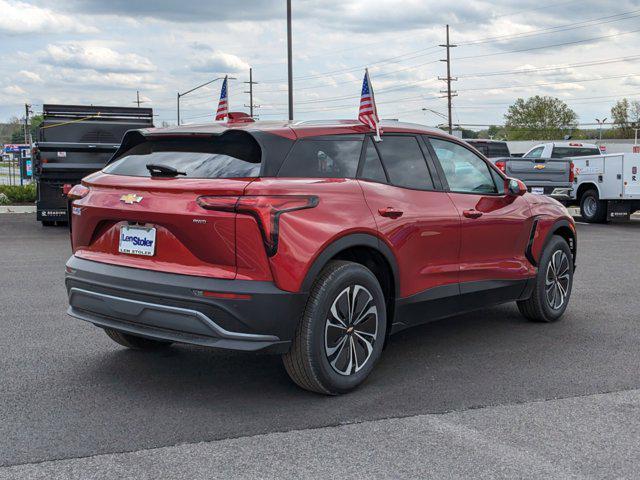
x=68 y=392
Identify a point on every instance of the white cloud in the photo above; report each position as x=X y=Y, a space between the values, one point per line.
x=22 y=18
x=26 y=75
x=219 y=62
x=14 y=90
x=94 y=57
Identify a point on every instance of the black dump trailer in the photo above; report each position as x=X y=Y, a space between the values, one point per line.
x=74 y=141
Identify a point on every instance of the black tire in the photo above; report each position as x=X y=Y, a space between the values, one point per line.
x=539 y=307
x=135 y=342
x=308 y=362
x=592 y=209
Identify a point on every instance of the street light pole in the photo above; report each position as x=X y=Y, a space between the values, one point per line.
x=180 y=95
x=289 y=60
x=600 y=123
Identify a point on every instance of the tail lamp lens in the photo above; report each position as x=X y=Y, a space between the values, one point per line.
x=77 y=192
x=572 y=172
x=266 y=209
x=501 y=166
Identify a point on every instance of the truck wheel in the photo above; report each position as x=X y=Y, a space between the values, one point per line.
x=342 y=330
x=134 y=342
x=553 y=283
x=592 y=209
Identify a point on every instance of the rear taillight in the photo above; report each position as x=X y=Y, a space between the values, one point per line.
x=77 y=192
x=266 y=209
x=572 y=172
x=502 y=166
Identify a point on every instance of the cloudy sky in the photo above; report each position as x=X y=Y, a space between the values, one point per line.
x=100 y=52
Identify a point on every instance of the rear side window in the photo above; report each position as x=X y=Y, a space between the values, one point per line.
x=323 y=157
x=563 y=152
x=372 y=167
x=404 y=162
x=535 y=153
x=231 y=155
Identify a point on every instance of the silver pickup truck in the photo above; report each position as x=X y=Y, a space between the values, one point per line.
x=547 y=168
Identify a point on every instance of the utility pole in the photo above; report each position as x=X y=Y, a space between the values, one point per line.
x=289 y=60
x=138 y=98
x=26 y=123
x=250 y=92
x=450 y=93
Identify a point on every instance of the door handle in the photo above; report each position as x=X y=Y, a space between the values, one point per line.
x=390 y=212
x=473 y=213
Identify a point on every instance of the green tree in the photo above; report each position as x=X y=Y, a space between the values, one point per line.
x=626 y=116
x=539 y=118
x=35 y=123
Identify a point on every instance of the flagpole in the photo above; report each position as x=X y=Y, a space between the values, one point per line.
x=377 y=137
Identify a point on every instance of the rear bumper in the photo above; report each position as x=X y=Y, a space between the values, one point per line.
x=171 y=307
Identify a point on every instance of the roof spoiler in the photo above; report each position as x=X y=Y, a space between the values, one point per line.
x=240 y=117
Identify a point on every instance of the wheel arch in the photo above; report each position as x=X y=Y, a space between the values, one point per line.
x=367 y=250
x=562 y=228
x=584 y=187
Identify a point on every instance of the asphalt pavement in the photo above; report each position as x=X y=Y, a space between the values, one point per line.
x=485 y=391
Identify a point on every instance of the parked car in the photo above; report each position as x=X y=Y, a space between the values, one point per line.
x=546 y=168
x=490 y=148
x=307 y=239
x=562 y=150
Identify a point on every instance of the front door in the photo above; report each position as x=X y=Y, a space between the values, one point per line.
x=495 y=227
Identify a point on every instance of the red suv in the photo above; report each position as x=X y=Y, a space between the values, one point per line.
x=310 y=240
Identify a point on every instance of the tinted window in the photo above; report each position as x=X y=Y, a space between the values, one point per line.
x=535 y=153
x=404 y=162
x=372 y=168
x=463 y=169
x=314 y=157
x=563 y=152
x=497 y=150
x=227 y=156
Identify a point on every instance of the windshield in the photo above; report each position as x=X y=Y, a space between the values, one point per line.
x=227 y=156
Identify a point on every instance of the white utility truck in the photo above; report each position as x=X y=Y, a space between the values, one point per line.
x=607 y=187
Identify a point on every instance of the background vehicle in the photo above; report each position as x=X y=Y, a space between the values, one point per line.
x=545 y=168
x=309 y=240
x=490 y=148
x=607 y=187
x=74 y=141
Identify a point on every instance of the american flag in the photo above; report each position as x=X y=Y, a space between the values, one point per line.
x=223 y=105
x=368 y=113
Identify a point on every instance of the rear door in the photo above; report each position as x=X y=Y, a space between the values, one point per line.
x=415 y=218
x=495 y=227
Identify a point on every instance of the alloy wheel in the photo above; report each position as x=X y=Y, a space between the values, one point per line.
x=351 y=330
x=557 y=280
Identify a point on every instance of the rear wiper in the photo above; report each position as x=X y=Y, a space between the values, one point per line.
x=163 y=170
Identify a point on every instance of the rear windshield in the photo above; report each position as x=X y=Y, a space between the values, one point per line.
x=492 y=150
x=562 y=152
x=323 y=157
x=232 y=155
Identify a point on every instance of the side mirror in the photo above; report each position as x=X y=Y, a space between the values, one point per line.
x=515 y=187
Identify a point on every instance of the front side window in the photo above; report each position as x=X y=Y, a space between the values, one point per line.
x=404 y=162
x=323 y=158
x=464 y=170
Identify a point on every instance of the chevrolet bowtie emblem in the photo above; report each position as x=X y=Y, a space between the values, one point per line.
x=539 y=167
x=130 y=198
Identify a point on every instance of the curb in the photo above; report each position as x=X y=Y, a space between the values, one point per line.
x=17 y=209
